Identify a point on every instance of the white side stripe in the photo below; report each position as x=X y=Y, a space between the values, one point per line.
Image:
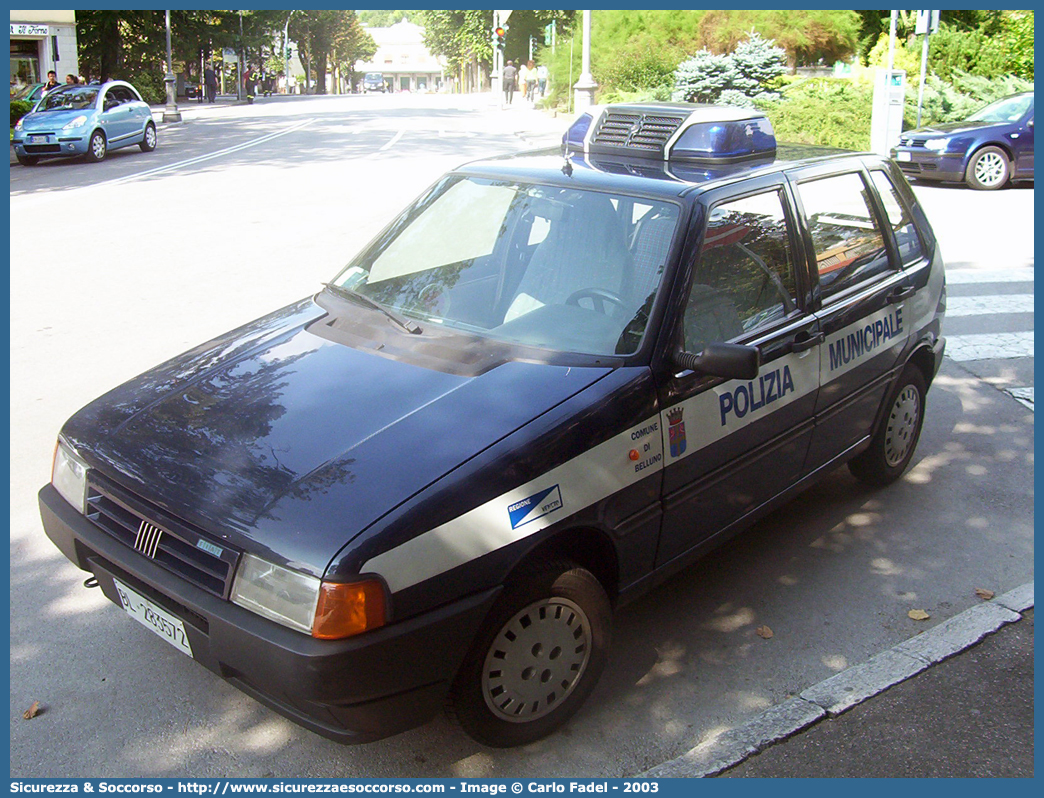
x=588 y=478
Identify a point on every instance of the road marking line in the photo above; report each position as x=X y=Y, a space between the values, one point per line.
x=1023 y=395
x=985 y=305
x=989 y=346
x=393 y=141
x=1016 y=274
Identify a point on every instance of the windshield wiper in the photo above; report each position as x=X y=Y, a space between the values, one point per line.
x=354 y=296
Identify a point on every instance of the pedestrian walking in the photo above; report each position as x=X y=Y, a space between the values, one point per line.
x=52 y=81
x=542 y=79
x=531 y=80
x=510 y=74
x=210 y=81
x=71 y=80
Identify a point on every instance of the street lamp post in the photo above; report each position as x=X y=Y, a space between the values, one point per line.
x=584 y=88
x=170 y=113
x=286 y=52
x=242 y=62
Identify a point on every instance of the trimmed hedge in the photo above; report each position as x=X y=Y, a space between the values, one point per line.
x=19 y=108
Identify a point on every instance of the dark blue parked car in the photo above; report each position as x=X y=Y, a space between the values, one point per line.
x=986 y=150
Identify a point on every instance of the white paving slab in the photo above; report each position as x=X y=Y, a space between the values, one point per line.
x=1023 y=395
x=1016 y=274
x=991 y=346
x=988 y=305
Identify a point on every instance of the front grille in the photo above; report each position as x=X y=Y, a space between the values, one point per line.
x=162 y=538
x=636 y=131
x=41 y=149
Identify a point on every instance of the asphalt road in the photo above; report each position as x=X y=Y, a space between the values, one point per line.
x=116 y=266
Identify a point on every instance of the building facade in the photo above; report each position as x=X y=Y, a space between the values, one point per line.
x=41 y=41
x=403 y=60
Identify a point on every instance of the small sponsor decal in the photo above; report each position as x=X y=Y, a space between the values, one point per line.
x=536 y=506
x=676 y=431
x=209 y=547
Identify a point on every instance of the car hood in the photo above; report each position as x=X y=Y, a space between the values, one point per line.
x=287 y=444
x=947 y=129
x=52 y=120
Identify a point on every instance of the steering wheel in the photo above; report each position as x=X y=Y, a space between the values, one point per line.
x=600 y=298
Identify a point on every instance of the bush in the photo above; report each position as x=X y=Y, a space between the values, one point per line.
x=19 y=108
x=830 y=111
x=150 y=86
x=751 y=71
x=952 y=101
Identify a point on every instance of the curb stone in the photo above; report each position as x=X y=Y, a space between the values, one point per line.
x=844 y=690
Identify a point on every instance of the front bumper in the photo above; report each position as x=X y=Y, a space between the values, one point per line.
x=930 y=165
x=55 y=146
x=353 y=691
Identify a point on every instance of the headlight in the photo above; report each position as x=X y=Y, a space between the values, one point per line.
x=326 y=610
x=276 y=593
x=18 y=124
x=936 y=145
x=69 y=475
x=77 y=122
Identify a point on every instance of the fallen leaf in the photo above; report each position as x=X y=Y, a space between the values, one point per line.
x=983 y=593
x=918 y=615
x=763 y=631
x=32 y=712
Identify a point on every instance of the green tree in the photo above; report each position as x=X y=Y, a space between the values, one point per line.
x=320 y=35
x=738 y=78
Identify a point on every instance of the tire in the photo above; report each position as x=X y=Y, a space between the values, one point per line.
x=524 y=677
x=97 y=147
x=27 y=160
x=988 y=170
x=893 y=446
x=148 y=139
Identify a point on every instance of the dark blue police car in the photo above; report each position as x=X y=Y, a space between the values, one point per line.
x=553 y=381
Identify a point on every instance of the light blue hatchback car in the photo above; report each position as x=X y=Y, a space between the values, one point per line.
x=85 y=119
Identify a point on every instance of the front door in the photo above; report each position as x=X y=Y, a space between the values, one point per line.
x=732 y=445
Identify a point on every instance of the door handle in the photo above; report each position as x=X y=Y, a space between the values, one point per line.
x=806 y=343
x=900 y=293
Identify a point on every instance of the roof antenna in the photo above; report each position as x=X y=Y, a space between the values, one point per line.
x=567 y=168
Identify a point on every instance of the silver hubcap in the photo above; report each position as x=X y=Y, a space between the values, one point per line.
x=901 y=425
x=98 y=146
x=150 y=137
x=537 y=660
x=989 y=169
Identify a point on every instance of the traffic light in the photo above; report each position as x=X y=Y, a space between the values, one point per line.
x=498 y=37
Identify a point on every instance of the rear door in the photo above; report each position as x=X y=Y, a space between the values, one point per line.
x=859 y=290
x=731 y=445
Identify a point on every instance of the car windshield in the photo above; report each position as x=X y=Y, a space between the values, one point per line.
x=556 y=268
x=1010 y=109
x=75 y=98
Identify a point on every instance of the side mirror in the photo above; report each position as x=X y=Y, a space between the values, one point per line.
x=731 y=361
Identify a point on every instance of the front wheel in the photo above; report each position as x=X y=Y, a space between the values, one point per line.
x=893 y=446
x=97 y=147
x=536 y=659
x=148 y=140
x=988 y=169
x=27 y=160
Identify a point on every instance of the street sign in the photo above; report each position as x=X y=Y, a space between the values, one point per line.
x=927 y=22
x=229 y=56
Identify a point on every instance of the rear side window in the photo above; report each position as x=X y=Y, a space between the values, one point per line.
x=744 y=279
x=899 y=218
x=848 y=243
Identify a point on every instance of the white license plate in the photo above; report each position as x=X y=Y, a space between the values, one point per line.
x=903 y=156
x=154 y=618
x=38 y=139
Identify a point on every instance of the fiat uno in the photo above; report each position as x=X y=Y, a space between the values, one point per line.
x=556 y=379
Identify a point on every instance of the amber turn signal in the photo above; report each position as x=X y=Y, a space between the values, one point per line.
x=348 y=609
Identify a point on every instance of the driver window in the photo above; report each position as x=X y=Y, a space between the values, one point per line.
x=744 y=278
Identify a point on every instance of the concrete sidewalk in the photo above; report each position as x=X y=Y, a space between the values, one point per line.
x=955 y=701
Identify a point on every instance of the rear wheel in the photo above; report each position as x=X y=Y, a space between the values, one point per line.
x=148 y=140
x=893 y=446
x=97 y=147
x=536 y=659
x=988 y=169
